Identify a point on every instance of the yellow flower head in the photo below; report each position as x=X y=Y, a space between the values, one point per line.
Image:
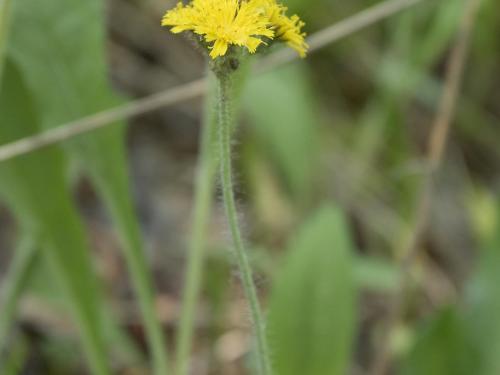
x=288 y=29
x=244 y=23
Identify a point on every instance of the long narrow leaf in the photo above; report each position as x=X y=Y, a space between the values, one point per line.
x=35 y=188
x=66 y=70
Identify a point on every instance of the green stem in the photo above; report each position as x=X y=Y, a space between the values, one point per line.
x=207 y=167
x=224 y=109
x=139 y=273
x=142 y=282
x=82 y=293
x=204 y=190
x=22 y=262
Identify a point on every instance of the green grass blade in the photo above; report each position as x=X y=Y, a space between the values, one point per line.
x=13 y=284
x=203 y=199
x=116 y=195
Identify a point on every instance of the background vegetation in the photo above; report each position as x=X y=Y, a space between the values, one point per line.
x=331 y=158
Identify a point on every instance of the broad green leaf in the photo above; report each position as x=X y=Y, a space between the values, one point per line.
x=441 y=348
x=61 y=54
x=281 y=108
x=312 y=314
x=34 y=187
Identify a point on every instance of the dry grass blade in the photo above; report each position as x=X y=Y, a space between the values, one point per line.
x=436 y=147
x=197 y=88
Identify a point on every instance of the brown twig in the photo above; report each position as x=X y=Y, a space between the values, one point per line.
x=436 y=147
x=196 y=88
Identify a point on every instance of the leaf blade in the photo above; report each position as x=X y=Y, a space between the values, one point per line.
x=66 y=70
x=35 y=188
x=312 y=309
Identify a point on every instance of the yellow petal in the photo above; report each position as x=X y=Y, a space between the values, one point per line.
x=219 y=49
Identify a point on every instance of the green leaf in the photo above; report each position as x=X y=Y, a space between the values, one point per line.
x=441 y=348
x=313 y=305
x=65 y=68
x=286 y=128
x=34 y=186
x=483 y=302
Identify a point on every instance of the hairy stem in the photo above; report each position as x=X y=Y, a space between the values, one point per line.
x=204 y=189
x=224 y=131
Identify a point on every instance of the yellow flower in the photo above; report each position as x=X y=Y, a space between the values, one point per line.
x=288 y=29
x=242 y=23
x=221 y=22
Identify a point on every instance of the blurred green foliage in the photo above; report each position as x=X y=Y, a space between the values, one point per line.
x=334 y=144
x=35 y=187
x=441 y=348
x=286 y=129
x=65 y=76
